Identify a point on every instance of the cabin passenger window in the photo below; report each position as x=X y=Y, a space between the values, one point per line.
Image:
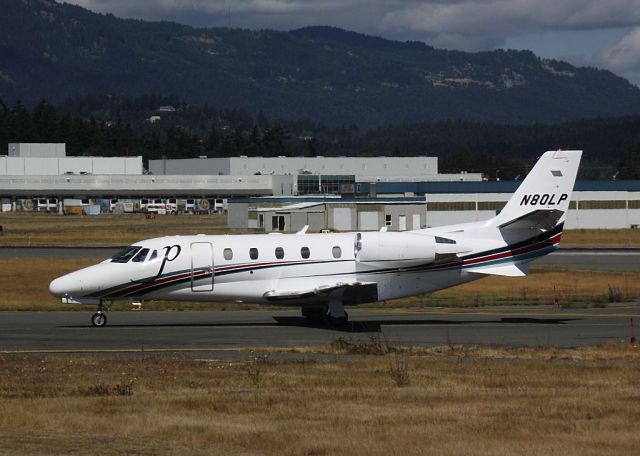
x=228 y=254
x=253 y=253
x=336 y=251
x=125 y=255
x=140 y=257
x=305 y=252
x=279 y=253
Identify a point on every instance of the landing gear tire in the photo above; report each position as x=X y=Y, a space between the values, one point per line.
x=337 y=321
x=99 y=319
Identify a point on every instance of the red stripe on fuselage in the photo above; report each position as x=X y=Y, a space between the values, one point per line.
x=519 y=251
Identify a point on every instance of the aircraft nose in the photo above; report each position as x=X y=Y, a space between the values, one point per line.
x=61 y=286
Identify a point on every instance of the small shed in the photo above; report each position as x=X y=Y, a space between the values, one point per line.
x=335 y=214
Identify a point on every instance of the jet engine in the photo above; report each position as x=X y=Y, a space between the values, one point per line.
x=403 y=249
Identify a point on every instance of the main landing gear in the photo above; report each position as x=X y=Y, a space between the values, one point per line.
x=99 y=319
x=332 y=313
x=318 y=315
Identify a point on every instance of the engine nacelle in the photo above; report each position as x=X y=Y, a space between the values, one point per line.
x=394 y=249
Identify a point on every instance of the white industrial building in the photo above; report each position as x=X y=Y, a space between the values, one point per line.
x=363 y=169
x=49 y=150
x=49 y=159
x=41 y=177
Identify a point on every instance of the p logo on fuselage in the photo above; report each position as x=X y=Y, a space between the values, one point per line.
x=545 y=199
x=171 y=252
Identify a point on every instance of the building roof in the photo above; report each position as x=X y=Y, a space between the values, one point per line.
x=492 y=186
x=314 y=200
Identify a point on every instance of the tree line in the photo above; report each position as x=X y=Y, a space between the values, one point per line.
x=159 y=126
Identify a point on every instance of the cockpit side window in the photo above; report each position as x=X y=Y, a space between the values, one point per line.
x=153 y=256
x=125 y=255
x=140 y=256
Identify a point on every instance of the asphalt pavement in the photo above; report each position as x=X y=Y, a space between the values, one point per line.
x=230 y=333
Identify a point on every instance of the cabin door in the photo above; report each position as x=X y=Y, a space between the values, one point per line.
x=201 y=266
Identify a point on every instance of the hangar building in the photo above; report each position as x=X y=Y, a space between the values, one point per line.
x=317 y=175
x=325 y=213
x=594 y=204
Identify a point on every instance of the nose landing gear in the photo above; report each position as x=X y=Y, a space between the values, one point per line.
x=99 y=319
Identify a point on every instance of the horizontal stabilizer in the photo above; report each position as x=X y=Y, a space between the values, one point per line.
x=504 y=269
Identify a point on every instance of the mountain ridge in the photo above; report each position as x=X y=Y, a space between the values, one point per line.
x=54 y=51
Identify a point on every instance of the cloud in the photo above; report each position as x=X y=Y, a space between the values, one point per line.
x=467 y=24
x=485 y=24
x=624 y=57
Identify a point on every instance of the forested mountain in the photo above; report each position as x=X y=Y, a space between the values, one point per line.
x=53 y=51
x=137 y=126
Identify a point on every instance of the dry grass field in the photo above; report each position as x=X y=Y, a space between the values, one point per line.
x=24 y=284
x=601 y=238
x=41 y=229
x=444 y=401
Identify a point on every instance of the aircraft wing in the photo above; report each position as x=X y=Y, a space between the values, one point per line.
x=354 y=292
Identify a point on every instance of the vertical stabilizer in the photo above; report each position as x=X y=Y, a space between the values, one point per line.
x=546 y=190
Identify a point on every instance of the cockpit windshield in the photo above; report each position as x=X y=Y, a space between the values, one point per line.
x=140 y=256
x=125 y=255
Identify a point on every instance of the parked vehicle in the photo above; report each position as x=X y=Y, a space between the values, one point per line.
x=46 y=204
x=160 y=209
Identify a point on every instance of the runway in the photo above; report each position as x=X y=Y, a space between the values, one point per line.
x=228 y=334
x=609 y=260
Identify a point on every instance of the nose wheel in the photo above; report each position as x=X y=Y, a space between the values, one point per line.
x=99 y=319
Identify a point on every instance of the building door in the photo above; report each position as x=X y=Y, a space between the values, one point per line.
x=402 y=223
x=201 y=266
x=342 y=219
x=416 y=222
x=368 y=221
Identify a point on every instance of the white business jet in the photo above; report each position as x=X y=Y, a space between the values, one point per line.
x=322 y=273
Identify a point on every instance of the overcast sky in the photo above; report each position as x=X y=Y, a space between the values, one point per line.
x=602 y=33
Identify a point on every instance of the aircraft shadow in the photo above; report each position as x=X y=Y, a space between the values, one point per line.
x=365 y=326
x=375 y=325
